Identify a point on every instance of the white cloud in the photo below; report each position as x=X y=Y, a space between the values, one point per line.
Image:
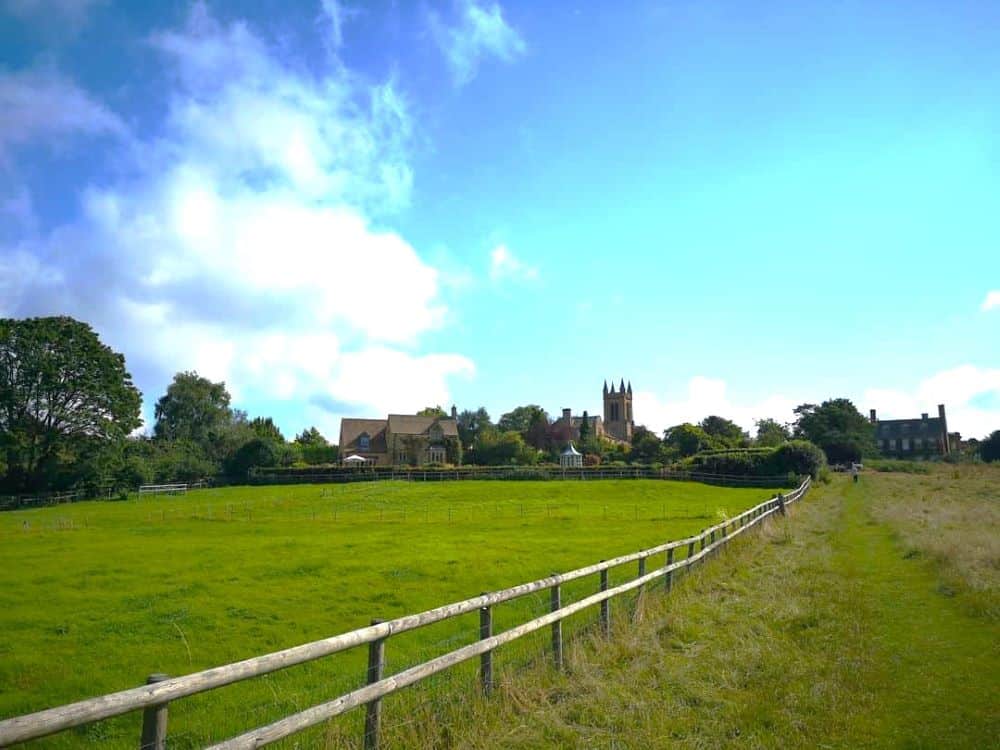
x=505 y=266
x=992 y=300
x=247 y=241
x=480 y=32
x=706 y=396
x=971 y=396
x=41 y=105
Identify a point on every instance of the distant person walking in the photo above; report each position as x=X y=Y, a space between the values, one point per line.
x=855 y=472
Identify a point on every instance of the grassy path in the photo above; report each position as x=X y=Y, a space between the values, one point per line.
x=935 y=670
x=824 y=631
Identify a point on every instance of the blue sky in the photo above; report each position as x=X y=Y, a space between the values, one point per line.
x=353 y=208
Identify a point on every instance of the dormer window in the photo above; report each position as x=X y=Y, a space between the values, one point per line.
x=364 y=442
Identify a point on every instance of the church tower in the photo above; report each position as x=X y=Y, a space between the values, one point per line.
x=618 y=411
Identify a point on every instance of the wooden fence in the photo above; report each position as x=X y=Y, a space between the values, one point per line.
x=335 y=475
x=154 y=698
x=19 y=502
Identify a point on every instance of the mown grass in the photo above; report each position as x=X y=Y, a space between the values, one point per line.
x=842 y=627
x=95 y=596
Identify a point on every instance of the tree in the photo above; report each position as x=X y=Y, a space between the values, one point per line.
x=522 y=418
x=193 y=408
x=311 y=437
x=432 y=411
x=646 y=446
x=257 y=452
x=470 y=423
x=838 y=428
x=264 y=427
x=771 y=433
x=62 y=393
x=686 y=439
x=584 y=426
x=727 y=433
x=989 y=448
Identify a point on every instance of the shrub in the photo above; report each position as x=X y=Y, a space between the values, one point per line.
x=800 y=457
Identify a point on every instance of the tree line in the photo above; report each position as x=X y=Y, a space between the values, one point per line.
x=69 y=408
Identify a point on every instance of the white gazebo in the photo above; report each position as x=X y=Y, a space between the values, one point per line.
x=571 y=458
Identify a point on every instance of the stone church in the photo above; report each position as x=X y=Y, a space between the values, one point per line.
x=616 y=424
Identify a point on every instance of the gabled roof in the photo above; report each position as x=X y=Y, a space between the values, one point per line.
x=410 y=424
x=351 y=429
x=571 y=451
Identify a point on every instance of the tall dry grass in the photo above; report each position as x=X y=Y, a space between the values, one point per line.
x=952 y=517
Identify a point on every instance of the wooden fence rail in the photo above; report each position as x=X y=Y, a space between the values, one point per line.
x=154 y=697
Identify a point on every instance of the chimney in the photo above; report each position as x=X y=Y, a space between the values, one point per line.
x=454 y=412
x=924 y=416
x=566 y=416
x=944 y=430
x=872 y=417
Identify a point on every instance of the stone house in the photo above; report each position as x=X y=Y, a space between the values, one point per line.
x=915 y=438
x=402 y=439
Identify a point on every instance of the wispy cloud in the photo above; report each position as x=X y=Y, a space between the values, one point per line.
x=992 y=300
x=243 y=243
x=480 y=31
x=505 y=266
x=42 y=106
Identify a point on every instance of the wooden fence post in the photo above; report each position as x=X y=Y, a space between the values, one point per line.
x=486 y=658
x=669 y=577
x=154 y=721
x=605 y=605
x=373 y=711
x=642 y=572
x=557 y=645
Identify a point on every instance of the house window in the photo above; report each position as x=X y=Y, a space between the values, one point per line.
x=918 y=444
x=436 y=454
x=364 y=441
x=906 y=444
x=892 y=445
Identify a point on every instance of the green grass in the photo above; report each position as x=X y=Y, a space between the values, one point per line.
x=864 y=620
x=95 y=596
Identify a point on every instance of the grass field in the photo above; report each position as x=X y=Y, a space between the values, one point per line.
x=868 y=619
x=95 y=596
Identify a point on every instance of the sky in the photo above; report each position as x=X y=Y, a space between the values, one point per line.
x=348 y=208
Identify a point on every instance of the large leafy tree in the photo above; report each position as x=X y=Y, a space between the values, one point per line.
x=194 y=409
x=838 y=428
x=63 y=396
x=771 y=433
x=265 y=428
x=646 y=446
x=523 y=418
x=311 y=437
x=725 y=432
x=471 y=422
x=686 y=439
x=989 y=449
